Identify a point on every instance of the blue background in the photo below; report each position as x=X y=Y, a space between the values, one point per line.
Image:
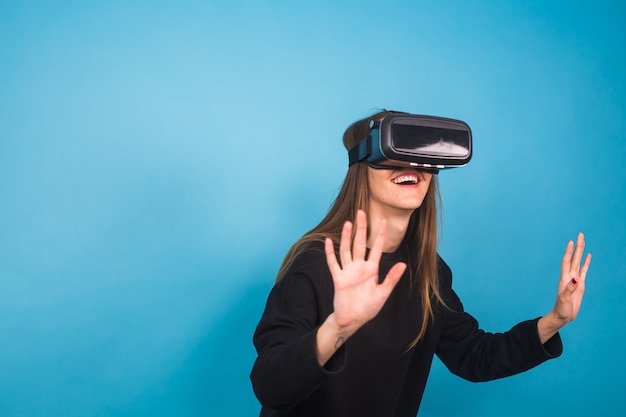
x=157 y=160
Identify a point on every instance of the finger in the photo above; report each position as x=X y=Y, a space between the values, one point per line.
x=392 y=278
x=377 y=247
x=578 y=253
x=567 y=259
x=331 y=258
x=344 y=246
x=360 y=238
x=571 y=287
x=585 y=268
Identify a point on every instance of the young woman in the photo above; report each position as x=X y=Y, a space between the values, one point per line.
x=363 y=301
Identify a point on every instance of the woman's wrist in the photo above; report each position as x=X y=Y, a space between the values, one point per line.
x=549 y=325
x=330 y=337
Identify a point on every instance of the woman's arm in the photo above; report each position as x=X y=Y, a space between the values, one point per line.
x=295 y=355
x=358 y=295
x=570 y=292
x=286 y=370
x=476 y=355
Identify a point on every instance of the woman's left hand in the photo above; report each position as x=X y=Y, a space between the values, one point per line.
x=570 y=291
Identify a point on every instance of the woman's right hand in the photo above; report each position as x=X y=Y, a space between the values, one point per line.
x=358 y=295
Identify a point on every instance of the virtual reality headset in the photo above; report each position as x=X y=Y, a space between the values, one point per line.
x=403 y=140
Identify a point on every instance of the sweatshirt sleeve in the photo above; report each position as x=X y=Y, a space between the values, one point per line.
x=476 y=355
x=286 y=370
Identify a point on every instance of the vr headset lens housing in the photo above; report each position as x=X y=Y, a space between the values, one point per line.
x=414 y=141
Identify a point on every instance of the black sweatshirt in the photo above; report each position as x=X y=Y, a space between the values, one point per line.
x=373 y=373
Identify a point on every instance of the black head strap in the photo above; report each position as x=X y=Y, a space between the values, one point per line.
x=360 y=151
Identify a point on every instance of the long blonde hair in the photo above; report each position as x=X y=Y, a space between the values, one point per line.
x=421 y=234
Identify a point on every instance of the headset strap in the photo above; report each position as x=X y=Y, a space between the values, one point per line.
x=360 y=151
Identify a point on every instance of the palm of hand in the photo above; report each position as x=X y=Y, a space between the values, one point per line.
x=358 y=295
x=572 y=283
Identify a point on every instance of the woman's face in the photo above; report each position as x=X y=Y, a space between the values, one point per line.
x=396 y=189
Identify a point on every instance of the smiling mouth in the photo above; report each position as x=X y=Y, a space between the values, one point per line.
x=405 y=179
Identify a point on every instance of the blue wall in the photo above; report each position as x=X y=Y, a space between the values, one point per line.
x=158 y=158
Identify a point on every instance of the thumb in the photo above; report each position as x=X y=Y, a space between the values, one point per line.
x=392 y=277
x=572 y=285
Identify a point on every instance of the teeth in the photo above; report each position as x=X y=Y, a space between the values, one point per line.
x=404 y=179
